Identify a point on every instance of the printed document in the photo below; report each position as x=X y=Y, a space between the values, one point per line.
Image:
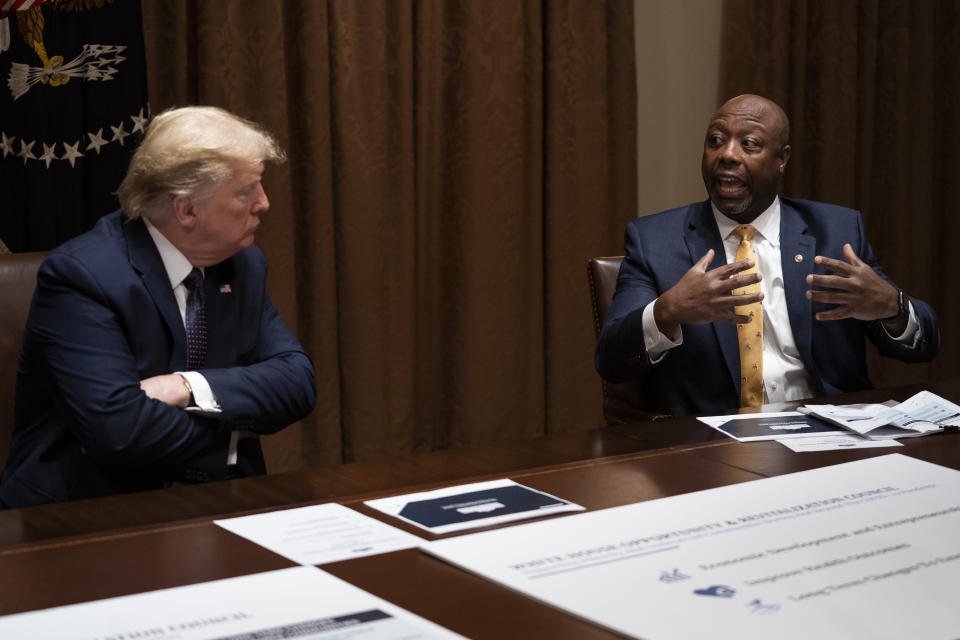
x=470 y=506
x=780 y=425
x=866 y=549
x=834 y=443
x=919 y=415
x=320 y=533
x=302 y=602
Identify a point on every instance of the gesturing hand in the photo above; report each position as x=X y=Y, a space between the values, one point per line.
x=703 y=296
x=857 y=290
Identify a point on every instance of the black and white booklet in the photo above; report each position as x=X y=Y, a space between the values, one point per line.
x=470 y=506
x=770 y=426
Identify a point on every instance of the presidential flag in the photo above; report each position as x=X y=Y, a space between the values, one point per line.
x=73 y=105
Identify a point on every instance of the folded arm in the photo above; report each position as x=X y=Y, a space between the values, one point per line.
x=82 y=343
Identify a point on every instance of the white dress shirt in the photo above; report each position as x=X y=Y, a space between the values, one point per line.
x=784 y=376
x=178 y=268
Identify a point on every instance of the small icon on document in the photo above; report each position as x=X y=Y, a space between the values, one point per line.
x=673 y=576
x=719 y=590
x=757 y=606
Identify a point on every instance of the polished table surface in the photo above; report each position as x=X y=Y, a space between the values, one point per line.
x=90 y=549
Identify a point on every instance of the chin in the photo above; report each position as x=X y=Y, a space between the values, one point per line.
x=732 y=209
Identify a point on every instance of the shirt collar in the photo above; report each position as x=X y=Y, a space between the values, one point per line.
x=767 y=223
x=175 y=263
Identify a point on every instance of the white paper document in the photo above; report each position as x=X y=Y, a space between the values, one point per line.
x=922 y=413
x=320 y=533
x=835 y=443
x=866 y=549
x=470 y=506
x=302 y=602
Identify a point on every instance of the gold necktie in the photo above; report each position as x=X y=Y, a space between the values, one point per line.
x=750 y=335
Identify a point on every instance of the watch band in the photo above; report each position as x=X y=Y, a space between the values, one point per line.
x=903 y=303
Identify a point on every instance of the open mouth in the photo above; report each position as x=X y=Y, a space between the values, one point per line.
x=730 y=187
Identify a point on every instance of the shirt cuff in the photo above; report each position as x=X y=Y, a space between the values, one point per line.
x=203 y=399
x=910 y=335
x=656 y=342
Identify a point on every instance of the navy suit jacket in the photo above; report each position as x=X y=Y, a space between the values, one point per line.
x=103 y=317
x=702 y=375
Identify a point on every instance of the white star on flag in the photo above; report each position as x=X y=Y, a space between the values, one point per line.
x=6 y=144
x=71 y=152
x=139 y=122
x=48 y=153
x=26 y=151
x=96 y=141
x=118 y=134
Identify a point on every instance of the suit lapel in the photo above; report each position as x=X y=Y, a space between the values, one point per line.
x=145 y=259
x=222 y=313
x=797 y=251
x=702 y=235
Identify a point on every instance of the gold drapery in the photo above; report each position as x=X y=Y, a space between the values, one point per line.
x=451 y=167
x=873 y=92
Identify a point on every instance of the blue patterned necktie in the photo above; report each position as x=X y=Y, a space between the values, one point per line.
x=196 y=321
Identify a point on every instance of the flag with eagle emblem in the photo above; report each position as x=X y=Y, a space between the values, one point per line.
x=73 y=105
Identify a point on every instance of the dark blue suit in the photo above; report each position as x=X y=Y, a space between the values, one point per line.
x=701 y=376
x=104 y=317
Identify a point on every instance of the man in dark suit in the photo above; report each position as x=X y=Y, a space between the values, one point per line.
x=806 y=286
x=152 y=353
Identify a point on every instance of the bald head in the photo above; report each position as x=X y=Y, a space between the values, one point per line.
x=745 y=152
x=761 y=109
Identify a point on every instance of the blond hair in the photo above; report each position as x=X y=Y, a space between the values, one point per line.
x=188 y=150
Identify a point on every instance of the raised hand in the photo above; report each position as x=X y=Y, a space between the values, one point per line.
x=857 y=290
x=703 y=296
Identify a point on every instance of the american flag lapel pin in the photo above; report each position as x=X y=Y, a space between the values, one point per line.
x=225 y=288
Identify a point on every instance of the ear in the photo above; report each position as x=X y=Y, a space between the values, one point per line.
x=184 y=211
x=784 y=157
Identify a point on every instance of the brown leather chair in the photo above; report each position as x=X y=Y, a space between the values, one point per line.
x=627 y=401
x=18 y=279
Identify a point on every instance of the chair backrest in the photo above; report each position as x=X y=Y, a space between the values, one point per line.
x=626 y=401
x=18 y=279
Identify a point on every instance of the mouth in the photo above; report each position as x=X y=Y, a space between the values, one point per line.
x=730 y=186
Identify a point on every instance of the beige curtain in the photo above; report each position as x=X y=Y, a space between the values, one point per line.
x=873 y=91
x=452 y=165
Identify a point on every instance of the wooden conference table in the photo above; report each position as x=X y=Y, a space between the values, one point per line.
x=86 y=550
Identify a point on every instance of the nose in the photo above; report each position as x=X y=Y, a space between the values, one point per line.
x=730 y=152
x=262 y=203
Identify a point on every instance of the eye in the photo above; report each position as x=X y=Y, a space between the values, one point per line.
x=246 y=191
x=714 y=139
x=751 y=145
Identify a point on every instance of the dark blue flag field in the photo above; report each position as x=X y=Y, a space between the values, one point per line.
x=73 y=105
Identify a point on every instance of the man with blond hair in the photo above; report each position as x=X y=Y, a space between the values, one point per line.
x=152 y=354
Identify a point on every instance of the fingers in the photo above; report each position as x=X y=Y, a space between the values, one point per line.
x=705 y=261
x=831 y=297
x=734 y=268
x=741 y=300
x=731 y=317
x=738 y=281
x=839 y=266
x=851 y=257
x=839 y=283
x=838 y=313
